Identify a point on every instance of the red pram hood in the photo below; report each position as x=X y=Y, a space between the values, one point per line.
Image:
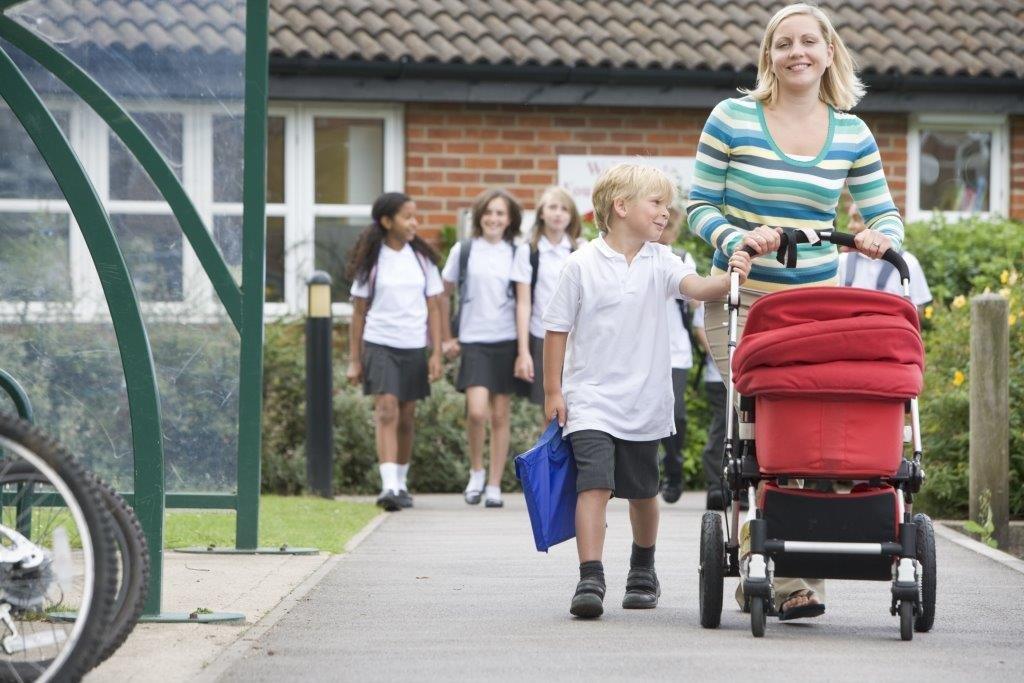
x=830 y=341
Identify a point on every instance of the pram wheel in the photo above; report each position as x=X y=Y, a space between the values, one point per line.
x=926 y=562
x=758 y=617
x=906 y=620
x=712 y=570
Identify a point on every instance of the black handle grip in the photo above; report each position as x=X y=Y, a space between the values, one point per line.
x=845 y=239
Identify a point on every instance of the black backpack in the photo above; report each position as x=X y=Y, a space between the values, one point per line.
x=535 y=265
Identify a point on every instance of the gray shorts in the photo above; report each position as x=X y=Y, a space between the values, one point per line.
x=629 y=469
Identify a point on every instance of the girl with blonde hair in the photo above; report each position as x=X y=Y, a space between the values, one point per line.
x=556 y=234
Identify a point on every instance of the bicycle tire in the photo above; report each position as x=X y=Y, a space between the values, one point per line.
x=85 y=506
x=133 y=581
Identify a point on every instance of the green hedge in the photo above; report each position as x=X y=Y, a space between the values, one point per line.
x=960 y=260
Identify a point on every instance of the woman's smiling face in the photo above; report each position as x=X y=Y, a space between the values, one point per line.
x=799 y=53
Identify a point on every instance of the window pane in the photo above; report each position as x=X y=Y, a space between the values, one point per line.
x=228 y=146
x=349 y=160
x=334 y=239
x=34 y=257
x=955 y=169
x=152 y=249
x=127 y=178
x=227 y=231
x=23 y=173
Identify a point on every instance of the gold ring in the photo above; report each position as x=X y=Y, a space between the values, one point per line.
x=876 y=244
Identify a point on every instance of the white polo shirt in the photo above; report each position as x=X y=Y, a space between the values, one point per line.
x=711 y=373
x=680 y=348
x=617 y=374
x=398 y=313
x=868 y=270
x=489 y=312
x=550 y=259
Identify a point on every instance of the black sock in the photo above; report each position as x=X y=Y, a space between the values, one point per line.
x=592 y=570
x=641 y=557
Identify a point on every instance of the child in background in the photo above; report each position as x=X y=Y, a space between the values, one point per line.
x=480 y=269
x=714 y=449
x=681 y=354
x=614 y=396
x=556 y=234
x=395 y=290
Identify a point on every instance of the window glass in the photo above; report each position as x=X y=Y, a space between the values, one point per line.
x=955 y=169
x=334 y=239
x=152 y=249
x=348 y=160
x=128 y=180
x=34 y=257
x=23 y=173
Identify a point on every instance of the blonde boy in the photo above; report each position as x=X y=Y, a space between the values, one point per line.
x=614 y=395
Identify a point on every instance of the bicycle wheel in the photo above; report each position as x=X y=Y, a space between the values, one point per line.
x=133 y=571
x=56 y=557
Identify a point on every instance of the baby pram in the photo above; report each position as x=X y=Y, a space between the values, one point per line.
x=827 y=377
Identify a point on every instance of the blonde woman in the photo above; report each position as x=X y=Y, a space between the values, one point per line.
x=779 y=157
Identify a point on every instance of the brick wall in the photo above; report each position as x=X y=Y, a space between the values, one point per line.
x=1017 y=168
x=455 y=151
x=890 y=131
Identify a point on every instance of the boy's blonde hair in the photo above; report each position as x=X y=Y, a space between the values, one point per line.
x=840 y=86
x=627 y=182
x=561 y=195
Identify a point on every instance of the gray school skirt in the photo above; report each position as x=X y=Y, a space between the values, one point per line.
x=399 y=372
x=491 y=365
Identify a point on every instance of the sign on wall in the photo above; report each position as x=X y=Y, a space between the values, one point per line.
x=577 y=173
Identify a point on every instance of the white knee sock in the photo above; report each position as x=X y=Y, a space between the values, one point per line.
x=403 y=474
x=476 y=480
x=389 y=476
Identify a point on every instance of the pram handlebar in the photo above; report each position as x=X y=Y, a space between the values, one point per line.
x=845 y=239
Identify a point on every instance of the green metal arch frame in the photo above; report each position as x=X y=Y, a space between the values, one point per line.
x=18 y=395
x=142 y=148
x=132 y=340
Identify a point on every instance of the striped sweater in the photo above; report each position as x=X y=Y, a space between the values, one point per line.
x=742 y=180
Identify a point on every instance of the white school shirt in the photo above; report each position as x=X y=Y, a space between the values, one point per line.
x=489 y=313
x=711 y=373
x=680 y=348
x=868 y=270
x=617 y=374
x=551 y=258
x=398 y=313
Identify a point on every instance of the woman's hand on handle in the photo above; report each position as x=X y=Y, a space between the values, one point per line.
x=872 y=243
x=762 y=239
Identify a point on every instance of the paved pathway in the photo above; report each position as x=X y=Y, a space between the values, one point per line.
x=449 y=592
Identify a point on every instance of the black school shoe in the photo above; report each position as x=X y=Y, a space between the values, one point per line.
x=642 y=589
x=389 y=501
x=588 y=601
x=404 y=498
x=670 y=493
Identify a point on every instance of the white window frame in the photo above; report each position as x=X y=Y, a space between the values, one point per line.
x=999 y=189
x=87 y=134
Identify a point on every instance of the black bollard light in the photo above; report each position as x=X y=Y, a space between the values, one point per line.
x=319 y=402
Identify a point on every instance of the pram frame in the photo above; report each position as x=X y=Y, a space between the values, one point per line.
x=741 y=474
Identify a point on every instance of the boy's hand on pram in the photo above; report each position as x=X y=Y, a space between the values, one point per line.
x=740 y=262
x=872 y=243
x=762 y=239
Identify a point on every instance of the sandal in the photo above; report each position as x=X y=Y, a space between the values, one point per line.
x=588 y=602
x=804 y=611
x=642 y=589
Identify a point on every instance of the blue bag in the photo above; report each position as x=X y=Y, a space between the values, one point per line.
x=548 y=474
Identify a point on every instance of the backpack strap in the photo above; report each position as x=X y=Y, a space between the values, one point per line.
x=852 y=259
x=464 y=247
x=883 y=275
x=534 y=269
